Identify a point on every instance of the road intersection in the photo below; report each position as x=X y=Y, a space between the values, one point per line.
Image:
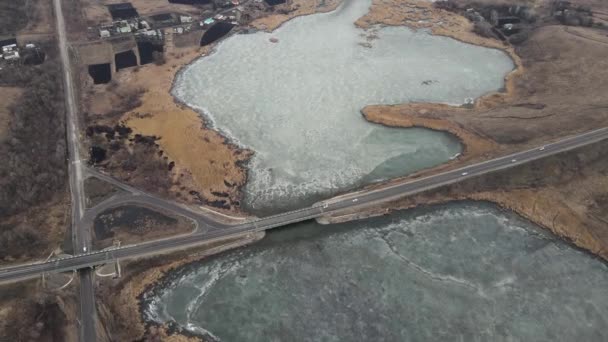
x=208 y=229
x=211 y=231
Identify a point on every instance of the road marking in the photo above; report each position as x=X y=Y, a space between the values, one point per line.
x=449 y=177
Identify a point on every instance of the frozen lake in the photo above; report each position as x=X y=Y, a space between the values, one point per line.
x=296 y=103
x=460 y=272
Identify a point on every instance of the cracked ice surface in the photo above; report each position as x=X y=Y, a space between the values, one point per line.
x=297 y=103
x=464 y=271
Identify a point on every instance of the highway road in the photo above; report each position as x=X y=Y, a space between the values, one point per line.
x=209 y=230
x=344 y=202
x=79 y=239
x=136 y=196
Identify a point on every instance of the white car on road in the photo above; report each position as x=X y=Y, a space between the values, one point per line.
x=464 y=173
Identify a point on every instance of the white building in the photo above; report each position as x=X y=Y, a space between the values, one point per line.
x=104 y=33
x=150 y=33
x=9 y=48
x=11 y=55
x=123 y=27
x=185 y=19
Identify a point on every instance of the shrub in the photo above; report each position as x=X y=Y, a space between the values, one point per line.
x=483 y=28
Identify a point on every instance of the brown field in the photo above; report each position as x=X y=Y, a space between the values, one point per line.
x=205 y=158
x=554 y=91
x=96 y=12
x=205 y=162
x=132 y=224
x=53 y=216
x=30 y=312
x=40 y=19
x=566 y=194
x=557 y=91
x=119 y=299
x=292 y=9
x=9 y=95
x=561 y=92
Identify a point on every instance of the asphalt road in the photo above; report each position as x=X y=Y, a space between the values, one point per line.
x=136 y=196
x=344 y=202
x=79 y=239
x=209 y=230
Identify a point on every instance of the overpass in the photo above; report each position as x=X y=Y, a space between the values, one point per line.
x=362 y=199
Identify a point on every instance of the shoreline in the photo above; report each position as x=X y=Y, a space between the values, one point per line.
x=127 y=297
x=205 y=160
x=170 y=276
x=469 y=140
x=466 y=139
x=500 y=200
x=274 y=21
x=476 y=144
x=226 y=172
x=209 y=124
x=472 y=144
x=456 y=27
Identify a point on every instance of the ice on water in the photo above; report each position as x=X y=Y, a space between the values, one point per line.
x=459 y=272
x=297 y=103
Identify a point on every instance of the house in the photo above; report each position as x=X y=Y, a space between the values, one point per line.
x=185 y=19
x=163 y=19
x=9 y=48
x=222 y=3
x=11 y=55
x=144 y=25
x=151 y=33
x=123 y=27
x=103 y=33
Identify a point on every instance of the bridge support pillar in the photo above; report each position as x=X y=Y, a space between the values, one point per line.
x=117 y=269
